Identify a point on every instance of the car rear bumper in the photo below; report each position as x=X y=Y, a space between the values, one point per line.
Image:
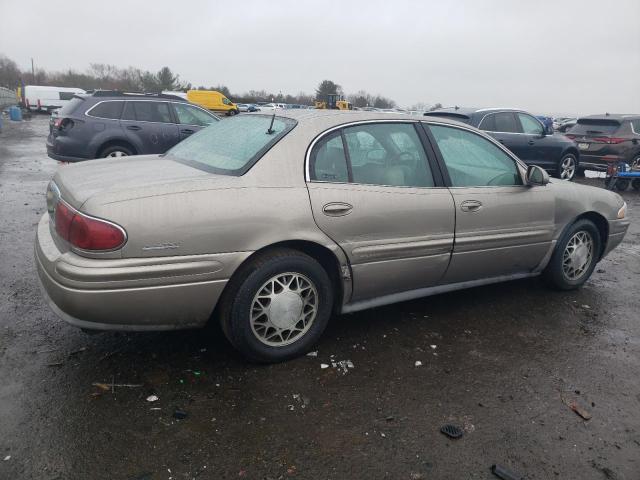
x=64 y=149
x=138 y=294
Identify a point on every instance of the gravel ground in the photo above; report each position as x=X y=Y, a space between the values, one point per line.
x=503 y=362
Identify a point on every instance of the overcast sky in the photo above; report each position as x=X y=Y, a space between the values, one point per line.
x=557 y=57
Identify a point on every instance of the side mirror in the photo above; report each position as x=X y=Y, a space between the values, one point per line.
x=537 y=176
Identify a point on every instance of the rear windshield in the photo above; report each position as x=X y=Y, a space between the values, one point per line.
x=594 y=126
x=231 y=146
x=451 y=116
x=70 y=107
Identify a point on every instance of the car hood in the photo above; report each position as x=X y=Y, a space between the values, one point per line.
x=119 y=179
x=573 y=199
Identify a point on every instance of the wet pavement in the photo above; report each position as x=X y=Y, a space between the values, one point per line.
x=504 y=362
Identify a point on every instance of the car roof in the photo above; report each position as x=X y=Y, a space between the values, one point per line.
x=611 y=116
x=114 y=94
x=339 y=117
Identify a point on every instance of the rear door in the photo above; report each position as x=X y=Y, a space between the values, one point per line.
x=543 y=150
x=191 y=118
x=505 y=127
x=374 y=192
x=150 y=126
x=503 y=227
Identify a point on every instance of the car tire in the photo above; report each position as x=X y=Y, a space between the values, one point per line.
x=636 y=184
x=567 y=167
x=574 y=257
x=114 y=151
x=635 y=163
x=621 y=184
x=293 y=284
x=233 y=112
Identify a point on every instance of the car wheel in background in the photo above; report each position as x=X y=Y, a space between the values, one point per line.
x=636 y=184
x=635 y=163
x=115 y=151
x=277 y=306
x=621 y=184
x=574 y=257
x=567 y=167
x=233 y=112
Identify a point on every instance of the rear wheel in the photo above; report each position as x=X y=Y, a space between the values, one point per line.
x=277 y=306
x=575 y=256
x=116 y=151
x=567 y=167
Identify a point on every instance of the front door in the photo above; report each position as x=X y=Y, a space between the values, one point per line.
x=373 y=192
x=503 y=227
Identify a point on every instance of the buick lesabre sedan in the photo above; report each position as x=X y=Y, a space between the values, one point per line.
x=270 y=224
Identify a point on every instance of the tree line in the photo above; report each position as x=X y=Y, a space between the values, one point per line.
x=131 y=79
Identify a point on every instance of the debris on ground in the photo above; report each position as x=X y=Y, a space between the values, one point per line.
x=580 y=410
x=324 y=365
x=451 y=431
x=80 y=350
x=585 y=306
x=7 y=458
x=152 y=398
x=418 y=363
x=55 y=364
x=342 y=365
x=433 y=346
x=504 y=473
x=179 y=414
x=312 y=354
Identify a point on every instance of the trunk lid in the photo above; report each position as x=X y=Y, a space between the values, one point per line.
x=593 y=135
x=117 y=179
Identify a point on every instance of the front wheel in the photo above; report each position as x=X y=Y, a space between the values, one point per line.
x=115 y=151
x=233 y=112
x=575 y=256
x=567 y=167
x=277 y=306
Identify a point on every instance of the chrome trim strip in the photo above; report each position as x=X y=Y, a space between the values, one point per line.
x=428 y=291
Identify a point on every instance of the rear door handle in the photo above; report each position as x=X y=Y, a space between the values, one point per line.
x=471 y=205
x=337 y=209
x=531 y=142
x=133 y=127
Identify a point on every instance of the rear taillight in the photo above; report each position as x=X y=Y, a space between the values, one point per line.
x=616 y=140
x=610 y=140
x=85 y=232
x=63 y=123
x=570 y=135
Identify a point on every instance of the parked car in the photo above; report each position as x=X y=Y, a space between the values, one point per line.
x=46 y=99
x=271 y=224
x=214 y=101
x=564 y=125
x=607 y=137
x=114 y=124
x=524 y=135
x=242 y=107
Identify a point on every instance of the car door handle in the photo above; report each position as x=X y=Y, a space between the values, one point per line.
x=531 y=142
x=337 y=209
x=187 y=131
x=470 y=205
x=133 y=127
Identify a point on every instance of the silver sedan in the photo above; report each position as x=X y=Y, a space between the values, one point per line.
x=271 y=223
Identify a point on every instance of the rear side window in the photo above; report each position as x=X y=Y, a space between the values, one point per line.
x=635 y=126
x=70 y=107
x=595 y=126
x=473 y=161
x=147 y=112
x=328 y=162
x=232 y=146
x=111 y=110
x=506 y=122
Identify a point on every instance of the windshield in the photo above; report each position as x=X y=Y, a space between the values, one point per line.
x=231 y=146
x=70 y=107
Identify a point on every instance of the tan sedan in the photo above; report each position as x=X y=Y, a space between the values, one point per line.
x=271 y=223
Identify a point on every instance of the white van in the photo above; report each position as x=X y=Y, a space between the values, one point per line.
x=46 y=99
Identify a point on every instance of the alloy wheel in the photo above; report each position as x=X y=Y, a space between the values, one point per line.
x=284 y=309
x=578 y=255
x=116 y=153
x=568 y=168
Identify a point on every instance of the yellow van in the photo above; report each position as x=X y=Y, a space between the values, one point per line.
x=212 y=100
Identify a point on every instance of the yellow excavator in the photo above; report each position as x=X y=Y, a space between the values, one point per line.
x=333 y=102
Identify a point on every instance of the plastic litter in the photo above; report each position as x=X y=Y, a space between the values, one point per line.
x=504 y=473
x=7 y=458
x=324 y=365
x=312 y=354
x=433 y=346
x=451 y=431
x=580 y=410
x=152 y=398
x=418 y=363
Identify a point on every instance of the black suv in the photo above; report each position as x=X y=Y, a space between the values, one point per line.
x=116 y=124
x=524 y=135
x=607 y=137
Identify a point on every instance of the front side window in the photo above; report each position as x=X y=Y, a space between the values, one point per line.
x=232 y=146
x=110 y=110
x=473 y=161
x=190 y=115
x=530 y=125
x=635 y=126
x=226 y=101
x=387 y=154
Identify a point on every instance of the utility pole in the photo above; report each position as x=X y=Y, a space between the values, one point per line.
x=33 y=72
